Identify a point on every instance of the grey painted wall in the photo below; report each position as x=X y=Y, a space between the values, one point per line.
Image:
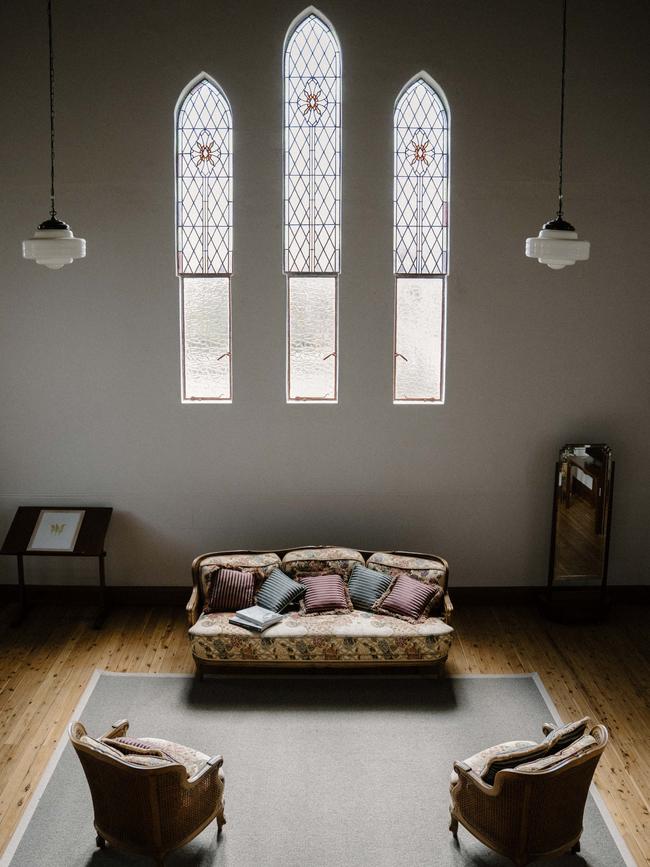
x=90 y=371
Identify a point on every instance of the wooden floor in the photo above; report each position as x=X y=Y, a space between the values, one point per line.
x=599 y=670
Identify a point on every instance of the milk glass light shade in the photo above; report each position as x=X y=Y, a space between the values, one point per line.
x=557 y=245
x=54 y=245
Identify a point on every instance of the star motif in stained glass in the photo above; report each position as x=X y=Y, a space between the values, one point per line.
x=312 y=102
x=420 y=151
x=204 y=153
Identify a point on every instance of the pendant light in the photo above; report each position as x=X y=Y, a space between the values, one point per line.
x=557 y=244
x=53 y=243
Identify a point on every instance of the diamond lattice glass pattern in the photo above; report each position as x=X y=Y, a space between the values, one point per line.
x=419 y=339
x=421 y=175
x=312 y=129
x=312 y=339
x=204 y=182
x=206 y=339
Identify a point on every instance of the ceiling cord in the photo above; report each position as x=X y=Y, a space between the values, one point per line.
x=560 y=194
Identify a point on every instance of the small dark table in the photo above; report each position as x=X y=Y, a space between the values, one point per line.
x=88 y=543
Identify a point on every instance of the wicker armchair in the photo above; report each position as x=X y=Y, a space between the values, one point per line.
x=144 y=805
x=531 y=813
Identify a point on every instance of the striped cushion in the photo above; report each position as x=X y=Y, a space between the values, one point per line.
x=279 y=591
x=325 y=593
x=408 y=598
x=575 y=749
x=512 y=759
x=561 y=737
x=558 y=739
x=366 y=586
x=230 y=589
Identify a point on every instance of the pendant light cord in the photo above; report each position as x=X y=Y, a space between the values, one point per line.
x=560 y=195
x=49 y=25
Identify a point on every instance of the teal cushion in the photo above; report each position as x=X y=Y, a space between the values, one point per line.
x=366 y=586
x=279 y=591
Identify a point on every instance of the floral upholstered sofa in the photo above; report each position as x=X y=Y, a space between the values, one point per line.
x=354 y=638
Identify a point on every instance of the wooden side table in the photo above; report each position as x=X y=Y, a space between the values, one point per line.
x=89 y=542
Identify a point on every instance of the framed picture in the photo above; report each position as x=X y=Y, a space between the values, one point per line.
x=56 y=530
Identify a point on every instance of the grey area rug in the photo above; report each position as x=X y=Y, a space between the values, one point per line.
x=320 y=772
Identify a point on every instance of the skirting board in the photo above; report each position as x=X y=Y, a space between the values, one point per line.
x=77 y=713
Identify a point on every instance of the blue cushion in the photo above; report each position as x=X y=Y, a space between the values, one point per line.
x=279 y=591
x=366 y=586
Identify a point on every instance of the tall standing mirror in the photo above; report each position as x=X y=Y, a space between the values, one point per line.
x=582 y=510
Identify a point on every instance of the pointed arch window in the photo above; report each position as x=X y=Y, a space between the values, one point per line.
x=420 y=247
x=312 y=195
x=204 y=240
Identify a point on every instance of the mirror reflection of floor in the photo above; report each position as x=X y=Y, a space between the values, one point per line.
x=579 y=550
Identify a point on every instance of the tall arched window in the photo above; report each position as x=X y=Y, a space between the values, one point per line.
x=421 y=198
x=312 y=180
x=204 y=240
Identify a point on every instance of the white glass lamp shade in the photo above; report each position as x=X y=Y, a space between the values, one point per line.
x=558 y=246
x=54 y=245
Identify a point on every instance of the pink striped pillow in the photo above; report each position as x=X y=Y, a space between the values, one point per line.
x=408 y=599
x=324 y=594
x=229 y=589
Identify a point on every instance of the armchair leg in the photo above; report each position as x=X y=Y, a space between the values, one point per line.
x=221 y=821
x=575 y=848
x=453 y=826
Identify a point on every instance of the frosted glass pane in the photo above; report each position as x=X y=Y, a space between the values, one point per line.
x=419 y=339
x=312 y=362
x=205 y=339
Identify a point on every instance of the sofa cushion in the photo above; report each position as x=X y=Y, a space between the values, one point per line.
x=229 y=589
x=408 y=598
x=545 y=763
x=279 y=591
x=259 y=564
x=354 y=636
x=403 y=564
x=366 y=586
x=324 y=593
x=339 y=561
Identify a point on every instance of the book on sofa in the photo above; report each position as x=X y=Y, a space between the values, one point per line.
x=255 y=618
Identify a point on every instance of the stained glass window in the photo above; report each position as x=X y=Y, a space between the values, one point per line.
x=420 y=248
x=204 y=240
x=421 y=172
x=312 y=156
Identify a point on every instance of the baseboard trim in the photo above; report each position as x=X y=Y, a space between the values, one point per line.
x=88 y=595
x=462 y=596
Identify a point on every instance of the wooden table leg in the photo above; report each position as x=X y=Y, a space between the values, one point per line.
x=22 y=597
x=103 y=607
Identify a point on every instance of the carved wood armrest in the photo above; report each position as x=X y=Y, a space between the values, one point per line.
x=210 y=766
x=118 y=730
x=448 y=608
x=192 y=607
x=471 y=778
